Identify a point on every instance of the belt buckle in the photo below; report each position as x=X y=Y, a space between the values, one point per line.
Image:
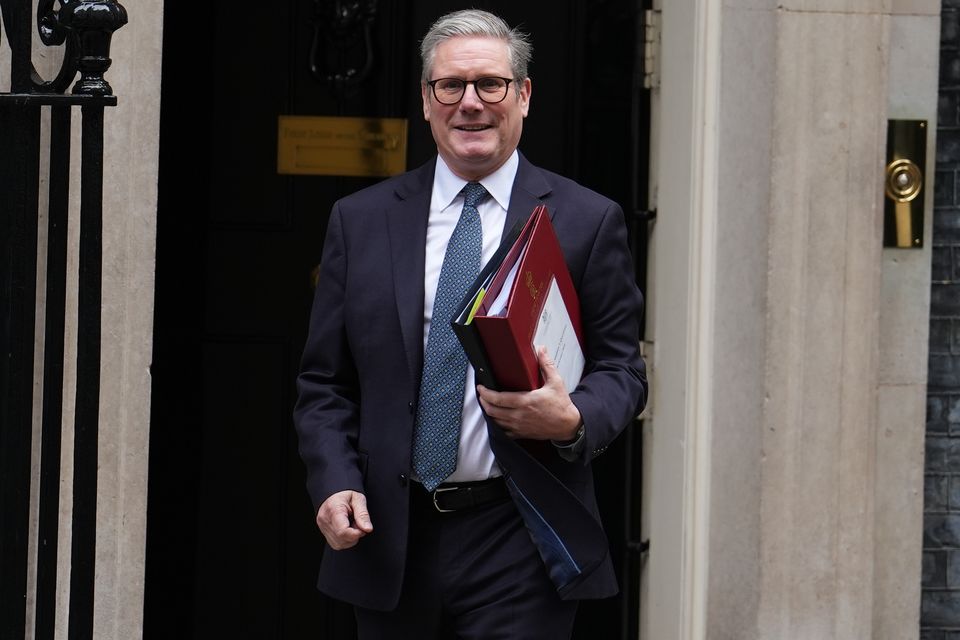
x=434 y=493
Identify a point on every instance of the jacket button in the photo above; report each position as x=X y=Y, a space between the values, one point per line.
x=403 y=480
x=410 y=407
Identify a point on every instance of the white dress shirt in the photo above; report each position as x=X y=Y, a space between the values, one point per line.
x=475 y=460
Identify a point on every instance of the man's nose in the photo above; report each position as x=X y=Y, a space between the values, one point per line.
x=471 y=100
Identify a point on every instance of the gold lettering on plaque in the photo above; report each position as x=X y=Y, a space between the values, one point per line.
x=340 y=146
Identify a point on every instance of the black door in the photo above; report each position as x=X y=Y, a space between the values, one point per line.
x=232 y=550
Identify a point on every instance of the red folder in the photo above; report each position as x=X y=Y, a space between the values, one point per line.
x=508 y=338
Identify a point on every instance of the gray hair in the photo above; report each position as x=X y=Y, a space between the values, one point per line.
x=473 y=22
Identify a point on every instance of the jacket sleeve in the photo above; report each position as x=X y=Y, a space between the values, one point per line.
x=326 y=414
x=613 y=390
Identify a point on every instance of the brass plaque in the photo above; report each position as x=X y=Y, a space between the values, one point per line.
x=331 y=146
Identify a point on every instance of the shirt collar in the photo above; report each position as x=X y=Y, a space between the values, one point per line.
x=499 y=184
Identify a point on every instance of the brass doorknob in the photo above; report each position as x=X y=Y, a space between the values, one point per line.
x=903 y=184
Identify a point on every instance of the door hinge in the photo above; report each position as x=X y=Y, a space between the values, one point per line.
x=651 y=48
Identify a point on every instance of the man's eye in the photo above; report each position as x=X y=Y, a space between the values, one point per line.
x=491 y=85
x=450 y=85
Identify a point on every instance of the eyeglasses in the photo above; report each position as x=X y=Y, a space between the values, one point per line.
x=450 y=90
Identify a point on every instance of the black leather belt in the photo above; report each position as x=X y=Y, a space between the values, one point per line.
x=458 y=496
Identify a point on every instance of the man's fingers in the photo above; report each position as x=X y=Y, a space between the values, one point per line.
x=501 y=399
x=343 y=519
x=361 y=517
x=544 y=359
x=346 y=539
x=547 y=367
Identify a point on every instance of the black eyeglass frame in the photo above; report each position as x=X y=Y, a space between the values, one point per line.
x=463 y=91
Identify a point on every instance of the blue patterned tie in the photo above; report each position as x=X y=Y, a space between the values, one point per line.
x=437 y=433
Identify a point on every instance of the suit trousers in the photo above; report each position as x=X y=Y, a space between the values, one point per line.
x=471 y=575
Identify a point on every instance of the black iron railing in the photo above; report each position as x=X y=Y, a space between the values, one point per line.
x=83 y=28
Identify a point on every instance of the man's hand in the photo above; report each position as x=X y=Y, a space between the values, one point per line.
x=546 y=413
x=343 y=519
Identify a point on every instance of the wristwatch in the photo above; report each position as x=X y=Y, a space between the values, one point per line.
x=571 y=450
x=579 y=434
x=565 y=444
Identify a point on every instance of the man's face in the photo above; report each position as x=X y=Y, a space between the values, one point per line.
x=473 y=137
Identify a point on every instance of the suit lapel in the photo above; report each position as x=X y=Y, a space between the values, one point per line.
x=407 y=228
x=529 y=189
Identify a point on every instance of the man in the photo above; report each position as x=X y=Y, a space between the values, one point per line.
x=449 y=509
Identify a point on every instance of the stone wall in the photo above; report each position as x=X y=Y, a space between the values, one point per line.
x=785 y=479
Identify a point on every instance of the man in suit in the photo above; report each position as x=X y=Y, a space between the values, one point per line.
x=480 y=520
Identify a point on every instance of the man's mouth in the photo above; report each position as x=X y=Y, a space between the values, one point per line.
x=472 y=127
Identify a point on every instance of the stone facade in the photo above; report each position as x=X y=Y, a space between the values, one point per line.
x=940 y=617
x=785 y=475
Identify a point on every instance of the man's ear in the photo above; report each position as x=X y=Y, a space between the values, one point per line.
x=525 y=90
x=425 y=96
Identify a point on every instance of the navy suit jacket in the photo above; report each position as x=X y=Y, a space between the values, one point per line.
x=360 y=377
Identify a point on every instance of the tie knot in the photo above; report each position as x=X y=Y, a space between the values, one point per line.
x=473 y=193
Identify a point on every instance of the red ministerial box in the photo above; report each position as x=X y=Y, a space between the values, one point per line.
x=508 y=336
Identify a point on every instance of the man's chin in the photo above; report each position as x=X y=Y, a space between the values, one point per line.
x=473 y=167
